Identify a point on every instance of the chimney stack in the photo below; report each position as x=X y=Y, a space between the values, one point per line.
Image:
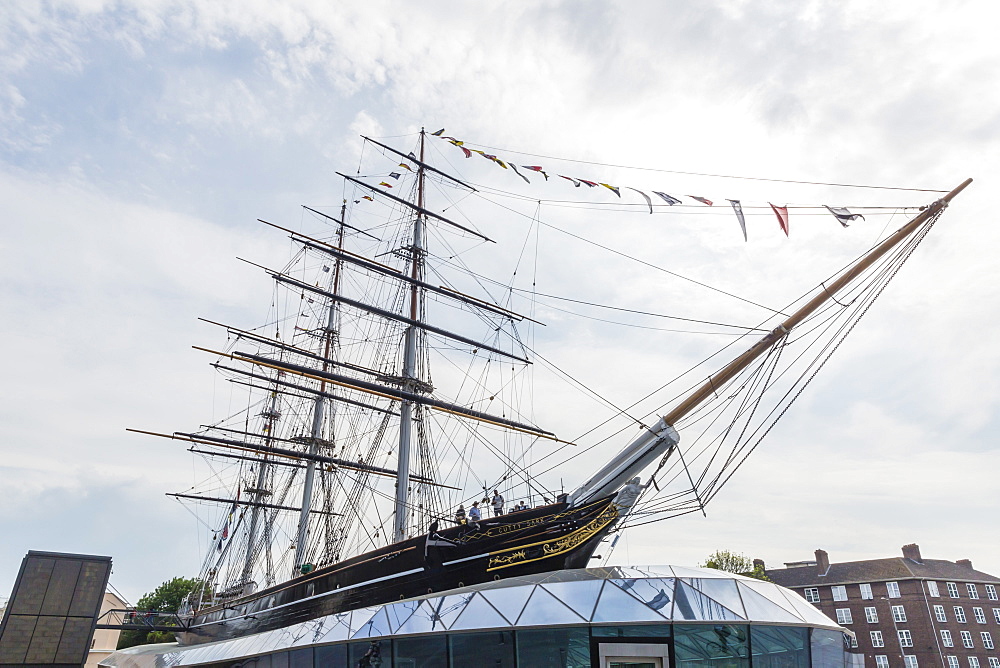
x=758 y=563
x=967 y=563
x=822 y=562
x=912 y=552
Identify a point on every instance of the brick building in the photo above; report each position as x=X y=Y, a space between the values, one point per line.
x=907 y=612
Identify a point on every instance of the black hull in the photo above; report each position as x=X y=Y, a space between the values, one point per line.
x=544 y=539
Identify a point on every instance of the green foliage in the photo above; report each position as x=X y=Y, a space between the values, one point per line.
x=168 y=597
x=731 y=562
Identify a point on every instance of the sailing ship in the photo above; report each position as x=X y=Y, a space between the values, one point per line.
x=347 y=457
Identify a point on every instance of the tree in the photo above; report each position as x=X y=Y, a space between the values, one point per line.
x=724 y=560
x=166 y=598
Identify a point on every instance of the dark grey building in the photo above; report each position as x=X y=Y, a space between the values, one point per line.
x=907 y=612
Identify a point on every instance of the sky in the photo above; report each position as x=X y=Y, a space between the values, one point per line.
x=140 y=141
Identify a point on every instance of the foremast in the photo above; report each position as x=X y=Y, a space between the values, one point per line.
x=411 y=383
x=662 y=438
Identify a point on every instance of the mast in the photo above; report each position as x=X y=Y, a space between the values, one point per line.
x=662 y=437
x=319 y=410
x=259 y=491
x=410 y=357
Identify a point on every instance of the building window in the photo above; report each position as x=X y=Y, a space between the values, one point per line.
x=866 y=592
x=980 y=615
x=952 y=590
x=898 y=614
x=812 y=594
x=882 y=661
x=939 y=613
x=991 y=592
x=987 y=639
x=973 y=662
x=946 y=638
x=967 y=640
x=996 y=615
x=893 y=589
x=844 y=616
x=910 y=661
x=905 y=639
x=994 y=662
x=952 y=662
x=959 y=614
x=871 y=614
x=932 y=588
x=854 y=642
x=839 y=592
x=877 y=639
x=973 y=592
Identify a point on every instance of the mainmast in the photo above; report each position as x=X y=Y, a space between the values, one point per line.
x=319 y=410
x=410 y=380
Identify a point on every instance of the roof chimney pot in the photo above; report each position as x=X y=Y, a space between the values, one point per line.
x=912 y=552
x=822 y=562
x=967 y=563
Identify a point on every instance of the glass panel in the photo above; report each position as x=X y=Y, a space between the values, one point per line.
x=426 y=652
x=361 y=617
x=760 y=609
x=331 y=656
x=544 y=608
x=300 y=658
x=656 y=593
x=509 y=601
x=400 y=612
x=258 y=662
x=691 y=604
x=633 y=631
x=554 y=648
x=478 y=614
x=682 y=572
x=375 y=627
x=279 y=660
x=423 y=620
x=713 y=645
x=617 y=606
x=580 y=596
x=827 y=648
x=723 y=591
x=779 y=647
x=446 y=609
x=494 y=649
x=374 y=654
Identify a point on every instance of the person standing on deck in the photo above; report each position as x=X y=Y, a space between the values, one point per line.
x=497 y=504
x=474 y=513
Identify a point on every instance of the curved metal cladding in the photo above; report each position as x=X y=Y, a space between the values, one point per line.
x=593 y=597
x=550 y=538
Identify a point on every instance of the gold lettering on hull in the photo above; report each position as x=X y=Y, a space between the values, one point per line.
x=520 y=555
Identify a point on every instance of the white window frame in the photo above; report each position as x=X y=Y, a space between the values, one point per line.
x=940 y=615
x=839 y=592
x=811 y=594
x=871 y=615
x=967 y=640
x=932 y=588
x=854 y=642
x=882 y=661
x=910 y=660
x=946 y=638
x=994 y=661
x=971 y=588
x=898 y=613
x=996 y=615
x=844 y=616
x=952 y=661
x=905 y=639
x=973 y=662
x=892 y=589
x=979 y=615
x=877 y=639
x=991 y=593
x=952 y=589
x=987 y=639
x=959 y=614
x=866 y=592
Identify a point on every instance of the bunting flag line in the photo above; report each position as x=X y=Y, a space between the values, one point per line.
x=701 y=199
x=514 y=167
x=411 y=156
x=667 y=198
x=649 y=202
x=613 y=189
x=739 y=216
x=572 y=180
x=406 y=166
x=467 y=152
x=843 y=215
x=592 y=184
x=387 y=185
x=368 y=197
x=395 y=175
x=438 y=133
x=782 y=213
x=456 y=142
x=537 y=168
